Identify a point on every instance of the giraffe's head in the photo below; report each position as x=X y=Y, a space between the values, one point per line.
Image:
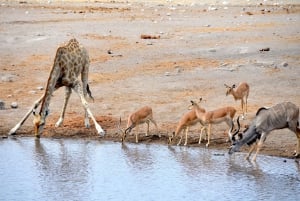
x=38 y=123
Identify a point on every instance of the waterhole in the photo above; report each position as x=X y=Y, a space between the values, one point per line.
x=64 y=169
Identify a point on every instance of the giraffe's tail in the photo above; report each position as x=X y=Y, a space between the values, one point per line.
x=89 y=92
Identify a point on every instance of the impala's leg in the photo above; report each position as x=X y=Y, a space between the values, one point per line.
x=246 y=103
x=243 y=112
x=147 y=122
x=155 y=124
x=209 y=133
x=229 y=122
x=36 y=104
x=180 y=139
x=137 y=133
x=186 y=133
x=62 y=115
x=78 y=89
x=200 y=136
x=259 y=145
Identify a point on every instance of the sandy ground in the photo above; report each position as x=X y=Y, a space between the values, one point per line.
x=201 y=47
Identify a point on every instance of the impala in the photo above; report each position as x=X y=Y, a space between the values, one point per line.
x=225 y=114
x=241 y=93
x=143 y=115
x=187 y=120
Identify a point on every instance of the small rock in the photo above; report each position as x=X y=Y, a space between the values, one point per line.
x=265 y=49
x=32 y=92
x=212 y=50
x=167 y=73
x=2 y=105
x=284 y=64
x=109 y=52
x=40 y=88
x=14 y=105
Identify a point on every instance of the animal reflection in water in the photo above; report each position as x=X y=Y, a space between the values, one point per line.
x=282 y=115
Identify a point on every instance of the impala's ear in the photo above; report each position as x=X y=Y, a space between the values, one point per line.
x=226 y=85
x=33 y=112
x=192 y=102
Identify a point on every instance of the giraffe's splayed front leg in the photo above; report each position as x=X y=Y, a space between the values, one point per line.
x=14 y=129
x=59 y=122
x=99 y=130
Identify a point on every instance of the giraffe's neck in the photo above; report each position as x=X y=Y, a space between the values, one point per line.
x=52 y=80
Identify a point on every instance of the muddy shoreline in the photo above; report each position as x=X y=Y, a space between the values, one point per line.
x=199 y=49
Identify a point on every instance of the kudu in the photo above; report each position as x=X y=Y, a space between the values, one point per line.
x=280 y=116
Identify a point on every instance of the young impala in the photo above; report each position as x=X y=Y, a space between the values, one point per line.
x=241 y=93
x=143 y=115
x=225 y=114
x=187 y=120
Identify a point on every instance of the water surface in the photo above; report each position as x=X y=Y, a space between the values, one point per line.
x=63 y=169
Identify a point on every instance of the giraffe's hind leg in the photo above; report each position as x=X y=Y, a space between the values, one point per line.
x=78 y=89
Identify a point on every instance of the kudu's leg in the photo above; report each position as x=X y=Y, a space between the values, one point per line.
x=68 y=91
x=36 y=104
x=259 y=145
x=250 y=151
x=298 y=142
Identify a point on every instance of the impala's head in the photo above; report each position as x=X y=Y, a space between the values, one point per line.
x=38 y=123
x=229 y=89
x=193 y=103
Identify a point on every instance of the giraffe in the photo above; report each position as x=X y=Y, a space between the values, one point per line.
x=70 y=60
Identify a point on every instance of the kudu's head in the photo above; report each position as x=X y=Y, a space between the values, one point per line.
x=248 y=136
x=38 y=122
x=229 y=89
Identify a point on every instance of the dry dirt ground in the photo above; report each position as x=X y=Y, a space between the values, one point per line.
x=199 y=48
